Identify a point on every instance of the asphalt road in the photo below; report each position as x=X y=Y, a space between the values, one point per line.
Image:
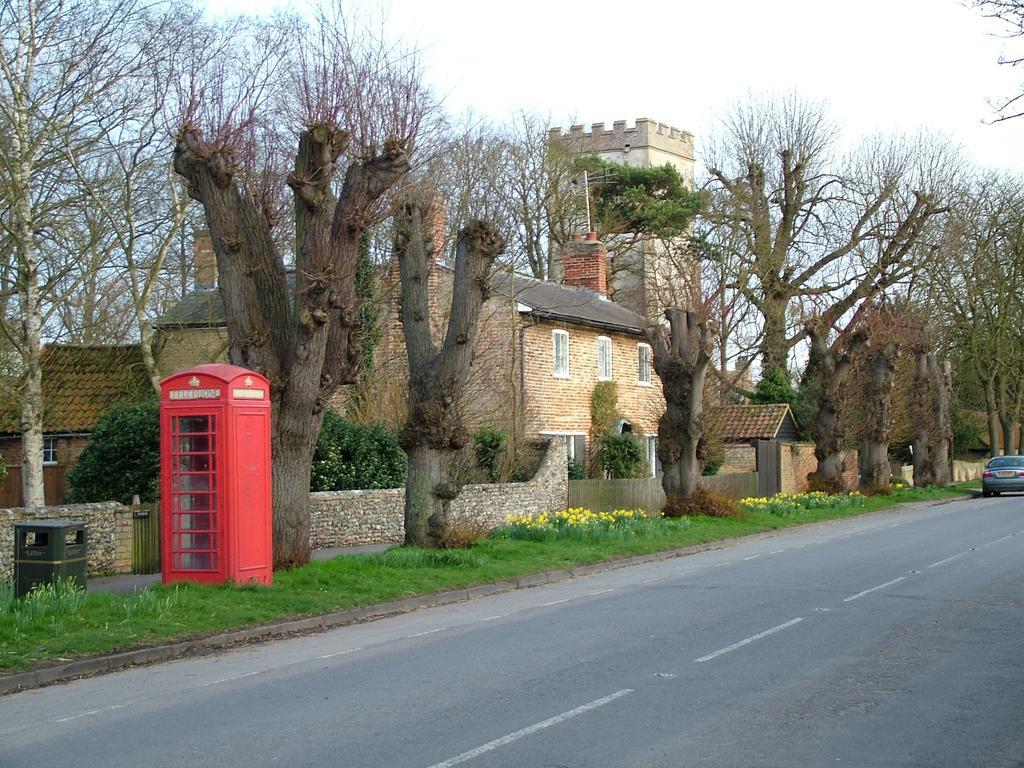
x=893 y=639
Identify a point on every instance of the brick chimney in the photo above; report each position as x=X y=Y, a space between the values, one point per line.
x=585 y=263
x=204 y=260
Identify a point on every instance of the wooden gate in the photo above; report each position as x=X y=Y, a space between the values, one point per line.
x=769 y=467
x=145 y=538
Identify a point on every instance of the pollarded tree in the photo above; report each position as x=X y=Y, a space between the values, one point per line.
x=682 y=353
x=830 y=364
x=813 y=231
x=357 y=106
x=434 y=431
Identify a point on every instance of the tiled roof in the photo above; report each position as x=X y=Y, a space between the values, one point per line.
x=563 y=302
x=741 y=423
x=80 y=383
x=202 y=308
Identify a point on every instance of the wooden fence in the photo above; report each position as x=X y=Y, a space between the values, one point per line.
x=145 y=538
x=54 y=487
x=646 y=493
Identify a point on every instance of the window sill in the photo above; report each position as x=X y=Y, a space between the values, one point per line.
x=561 y=375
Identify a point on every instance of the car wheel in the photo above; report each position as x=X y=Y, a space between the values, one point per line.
x=986 y=494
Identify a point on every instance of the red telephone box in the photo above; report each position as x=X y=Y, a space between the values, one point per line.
x=215 y=476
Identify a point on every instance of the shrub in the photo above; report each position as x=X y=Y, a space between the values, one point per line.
x=711 y=467
x=122 y=458
x=620 y=455
x=489 y=446
x=462 y=533
x=576 y=470
x=703 y=502
x=353 y=456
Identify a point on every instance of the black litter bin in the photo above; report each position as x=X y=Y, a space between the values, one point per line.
x=45 y=550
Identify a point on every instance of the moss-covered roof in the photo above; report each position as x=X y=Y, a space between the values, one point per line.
x=80 y=383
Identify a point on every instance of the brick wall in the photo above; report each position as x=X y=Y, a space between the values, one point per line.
x=349 y=518
x=108 y=527
x=738 y=458
x=563 y=404
x=798 y=461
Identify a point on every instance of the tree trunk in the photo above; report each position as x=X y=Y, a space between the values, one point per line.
x=426 y=512
x=30 y=343
x=992 y=414
x=875 y=471
x=941 y=375
x=922 y=415
x=830 y=365
x=433 y=430
x=681 y=358
x=774 y=343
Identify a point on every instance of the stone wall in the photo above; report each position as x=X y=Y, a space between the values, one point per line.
x=349 y=518
x=108 y=527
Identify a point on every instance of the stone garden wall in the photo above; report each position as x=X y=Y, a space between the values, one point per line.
x=350 y=518
x=108 y=530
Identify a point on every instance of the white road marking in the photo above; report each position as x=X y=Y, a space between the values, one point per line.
x=428 y=632
x=651 y=581
x=504 y=740
x=687 y=573
x=88 y=714
x=776 y=551
x=874 y=589
x=949 y=559
x=601 y=591
x=339 y=653
x=1004 y=538
x=229 y=679
x=752 y=557
x=492 y=618
x=555 y=602
x=749 y=640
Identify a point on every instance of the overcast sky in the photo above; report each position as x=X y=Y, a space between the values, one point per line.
x=881 y=65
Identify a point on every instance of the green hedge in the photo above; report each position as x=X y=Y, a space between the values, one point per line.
x=352 y=456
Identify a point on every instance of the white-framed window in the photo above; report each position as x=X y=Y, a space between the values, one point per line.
x=651 y=453
x=604 y=358
x=560 y=347
x=643 y=363
x=49 y=450
x=575 y=443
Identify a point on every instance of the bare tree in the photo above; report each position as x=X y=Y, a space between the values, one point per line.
x=682 y=354
x=1011 y=14
x=358 y=105
x=433 y=431
x=814 y=233
x=61 y=67
x=973 y=295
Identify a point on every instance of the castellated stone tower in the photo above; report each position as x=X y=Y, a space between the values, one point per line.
x=644 y=276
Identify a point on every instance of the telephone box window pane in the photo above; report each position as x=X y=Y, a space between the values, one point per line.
x=192 y=482
x=200 y=463
x=193 y=424
x=194 y=522
x=187 y=541
x=198 y=502
x=195 y=444
x=195 y=561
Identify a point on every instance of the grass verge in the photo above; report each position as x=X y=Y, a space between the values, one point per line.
x=59 y=624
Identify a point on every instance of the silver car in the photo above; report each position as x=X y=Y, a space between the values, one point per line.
x=1003 y=473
